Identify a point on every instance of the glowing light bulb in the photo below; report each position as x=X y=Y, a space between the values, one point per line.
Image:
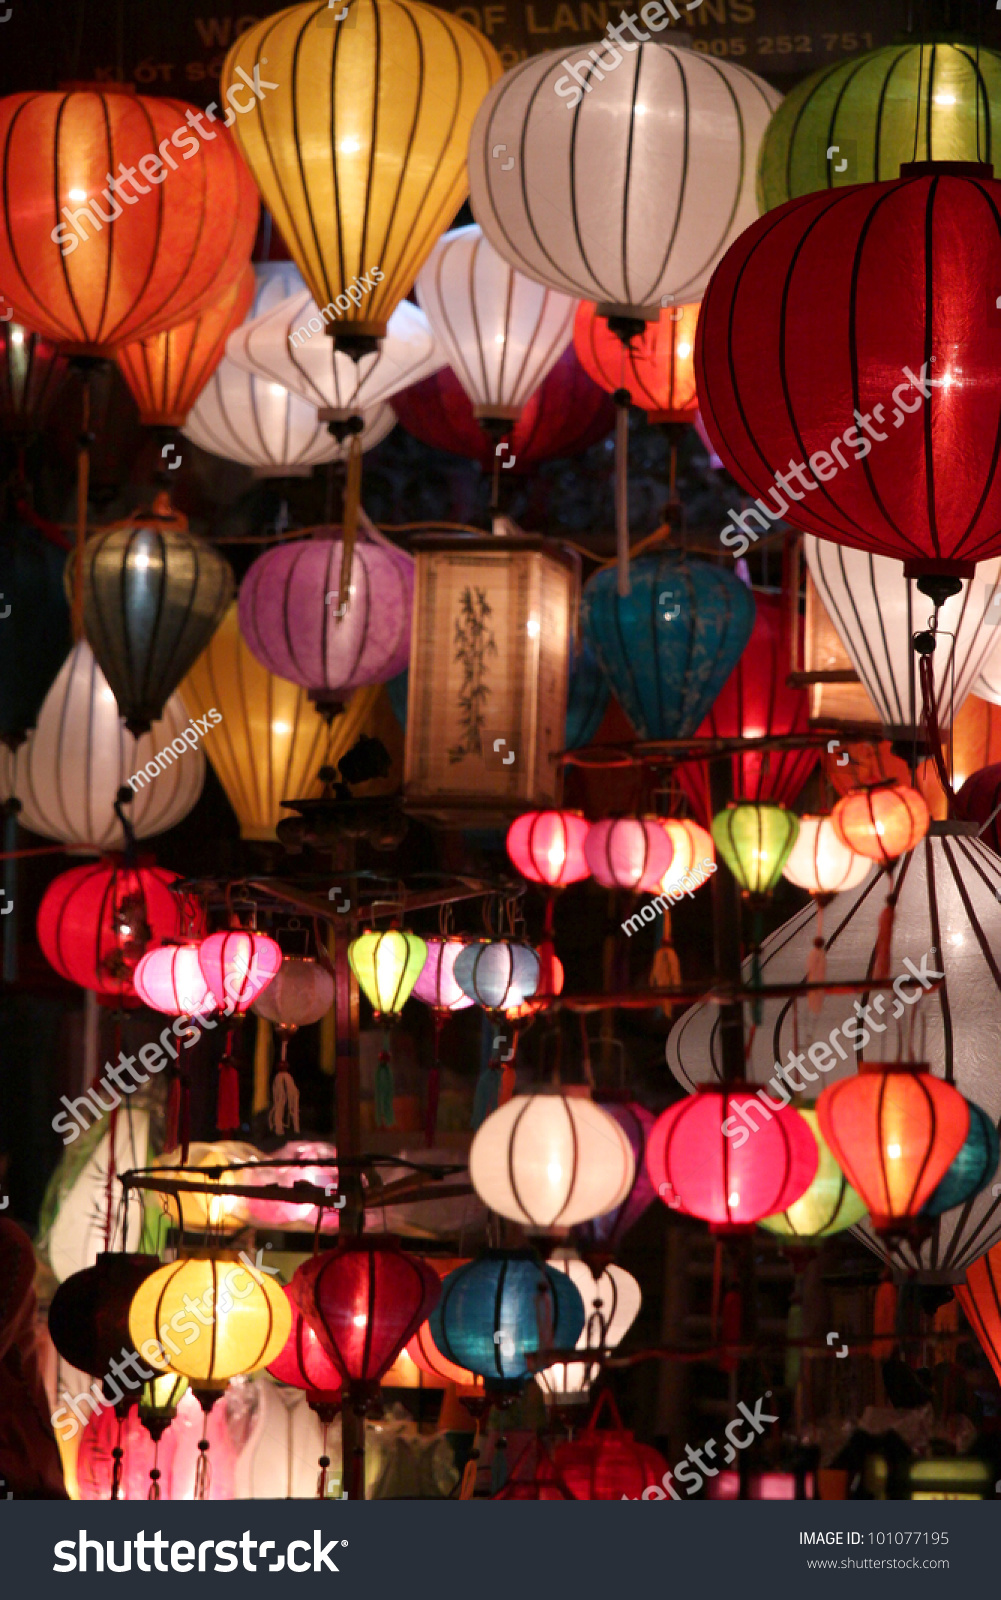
x=733 y=1200
x=276 y=389
x=893 y=1151
x=349 y=147
x=280 y=727
x=142 y=559
x=944 y=99
x=78 y=194
x=554 y=1172
x=684 y=350
x=533 y=627
x=500 y=338
x=360 y=1320
x=17 y=337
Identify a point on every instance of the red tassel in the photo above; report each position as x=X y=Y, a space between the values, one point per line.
x=506 y=1084
x=227 y=1117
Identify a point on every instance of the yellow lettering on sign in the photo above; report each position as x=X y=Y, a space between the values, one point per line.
x=530 y=22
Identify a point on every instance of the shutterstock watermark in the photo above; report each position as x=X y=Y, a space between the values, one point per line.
x=353 y=294
x=740 y=532
x=73 y=1553
x=693 y=879
x=656 y=18
x=685 y=1471
x=188 y=740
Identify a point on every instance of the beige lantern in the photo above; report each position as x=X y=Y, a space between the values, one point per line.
x=488 y=681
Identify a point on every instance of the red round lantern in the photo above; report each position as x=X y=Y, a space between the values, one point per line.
x=166 y=372
x=548 y=847
x=827 y=323
x=364 y=1301
x=303 y=1363
x=170 y=979
x=894 y=1132
x=881 y=823
x=978 y=801
x=628 y=853
x=608 y=1463
x=93 y=270
x=566 y=414
x=237 y=965
x=656 y=368
x=980 y=1298
x=756 y=702
x=95 y=922
x=704 y=1158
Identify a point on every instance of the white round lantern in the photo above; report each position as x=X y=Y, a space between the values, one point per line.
x=284 y=346
x=622 y=186
x=500 y=331
x=947 y=922
x=821 y=862
x=550 y=1161
x=612 y=1301
x=74 y=761
x=875 y=610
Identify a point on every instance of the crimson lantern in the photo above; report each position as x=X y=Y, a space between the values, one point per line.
x=848 y=362
x=656 y=367
x=608 y=1463
x=566 y=415
x=894 y=1131
x=237 y=965
x=91 y=263
x=754 y=703
x=304 y=1364
x=548 y=847
x=883 y=822
x=170 y=979
x=95 y=922
x=704 y=1159
x=629 y=853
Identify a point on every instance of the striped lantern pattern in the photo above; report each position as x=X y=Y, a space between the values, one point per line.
x=364 y=1300
x=821 y=863
x=237 y=964
x=631 y=196
x=499 y=332
x=32 y=372
x=437 y=984
x=170 y=979
x=755 y=840
x=881 y=823
x=980 y=1298
x=876 y=610
x=146 y=264
x=628 y=853
x=656 y=368
x=601 y=1236
x=303 y=1363
x=498 y=974
x=548 y=847
x=95 y=922
x=502 y=1307
x=551 y=1161
x=166 y=372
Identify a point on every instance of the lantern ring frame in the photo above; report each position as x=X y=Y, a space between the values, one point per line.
x=670 y=752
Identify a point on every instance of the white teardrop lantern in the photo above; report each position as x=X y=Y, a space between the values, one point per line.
x=612 y=1301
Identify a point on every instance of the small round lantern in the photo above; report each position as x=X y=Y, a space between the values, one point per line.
x=436 y=983
x=698 y=1163
x=972 y=1169
x=550 y=1160
x=629 y=853
x=237 y=964
x=693 y=848
x=502 y=1307
x=170 y=979
x=548 y=847
x=300 y=993
x=608 y=1463
x=426 y=1356
x=89 y=1315
x=828 y=1206
x=498 y=974
x=881 y=823
x=95 y=922
x=894 y=1130
x=821 y=862
x=387 y=966
x=245 y=1324
x=755 y=840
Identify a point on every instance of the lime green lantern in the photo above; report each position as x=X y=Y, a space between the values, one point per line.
x=754 y=839
x=859 y=120
x=829 y=1205
x=387 y=965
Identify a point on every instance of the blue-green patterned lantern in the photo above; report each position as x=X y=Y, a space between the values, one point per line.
x=972 y=1169
x=669 y=645
x=587 y=699
x=502 y=1307
x=35 y=634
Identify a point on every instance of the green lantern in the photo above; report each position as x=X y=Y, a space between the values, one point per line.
x=387 y=965
x=754 y=840
x=829 y=1205
x=859 y=120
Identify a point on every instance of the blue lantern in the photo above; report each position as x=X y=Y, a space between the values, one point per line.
x=502 y=1307
x=35 y=636
x=972 y=1169
x=668 y=646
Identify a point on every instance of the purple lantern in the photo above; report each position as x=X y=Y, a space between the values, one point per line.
x=437 y=985
x=298 y=624
x=599 y=1239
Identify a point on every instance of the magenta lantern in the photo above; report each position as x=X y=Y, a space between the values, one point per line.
x=437 y=985
x=291 y=1213
x=170 y=979
x=548 y=847
x=298 y=624
x=237 y=965
x=629 y=853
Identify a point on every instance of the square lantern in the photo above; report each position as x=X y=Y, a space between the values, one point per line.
x=486 y=712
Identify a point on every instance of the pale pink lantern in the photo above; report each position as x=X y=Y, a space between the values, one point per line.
x=170 y=979
x=298 y=624
x=437 y=985
x=292 y=1213
x=629 y=853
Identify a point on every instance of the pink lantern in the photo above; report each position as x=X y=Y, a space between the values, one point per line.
x=629 y=853
x=170 y=979
x=299 y=626
x=176 y=1458
x=294 y=1213
x=548 y=847
x=303 y=1363
x=437 y=985
x=237 y=965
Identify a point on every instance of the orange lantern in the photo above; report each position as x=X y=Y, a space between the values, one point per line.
x=881 y=823
x=426 y=1356
x=980 y=1298
x=656 y=368
x=94 y=263
x=894 y=1131
x=166 y=372
x=693 y=848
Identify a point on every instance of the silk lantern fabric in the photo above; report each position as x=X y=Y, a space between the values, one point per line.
x=364 y=1300
x=599 y=201
x=35 y=636
x=170 y=979
x=980 y=1298
x=548 y=847
x=668 y=646
x=360 y=151
x=32 y=372
x=500 y=1308
x=94 y=923
x=972 y=1168
x=876 y=610
x=147 y=260
x=631 y=853
x=166 y=372
x=852 y=305
x=828 y=1206
x=153 y=595
x=499 y=331
x=857 y=120
x=755 y=839
x=68 y=772
x=290 y=624
x=249 y=1318
x=302 y=1362
x=821 y=863
x=237 y=964
x=656 y=368
x=300 y=993
x=436 y=983
x=612 y=1301
x=602 y=1235
x=551 y=1160
x=497 y=974
x=565 y=415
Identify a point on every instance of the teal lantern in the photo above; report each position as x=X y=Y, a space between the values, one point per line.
x=669 y=645
x=972 y=1169
x=497 y=1310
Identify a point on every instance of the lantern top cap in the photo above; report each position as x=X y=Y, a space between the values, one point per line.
x=946 y=169
x=909 y=1067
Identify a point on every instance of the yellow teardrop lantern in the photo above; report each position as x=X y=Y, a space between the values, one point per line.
x=239 y=1318
x=357 y=140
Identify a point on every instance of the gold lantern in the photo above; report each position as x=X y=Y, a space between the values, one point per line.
x=488 y=681
x=240 y=1317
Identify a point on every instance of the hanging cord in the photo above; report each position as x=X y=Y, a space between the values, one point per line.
x=117 y=1455
x=924 y=644
x=154 y=1473
x=324 y=1463
x=84 y=441
x=621 y=398
x=352 y=500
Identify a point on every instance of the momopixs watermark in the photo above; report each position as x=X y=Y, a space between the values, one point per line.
x=357 y=287
x=188 y=740
x=686 y=884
